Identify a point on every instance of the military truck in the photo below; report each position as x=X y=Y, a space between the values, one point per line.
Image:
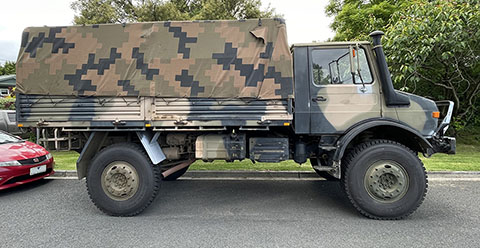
x=141 y=102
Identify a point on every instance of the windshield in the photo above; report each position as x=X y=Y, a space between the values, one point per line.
x=7 y=138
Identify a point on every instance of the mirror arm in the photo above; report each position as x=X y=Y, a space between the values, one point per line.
x=338 y=73
x=351 y=53
x=364 y=88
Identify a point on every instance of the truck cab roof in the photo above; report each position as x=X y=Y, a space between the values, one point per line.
x=330 y=43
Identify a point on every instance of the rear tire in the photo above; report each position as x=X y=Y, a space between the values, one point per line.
x=384 y=180
x=121 y=181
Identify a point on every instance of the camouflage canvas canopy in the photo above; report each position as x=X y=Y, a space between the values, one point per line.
x=213 y=59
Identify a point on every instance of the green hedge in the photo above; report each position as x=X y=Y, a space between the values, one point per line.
x=7 y=103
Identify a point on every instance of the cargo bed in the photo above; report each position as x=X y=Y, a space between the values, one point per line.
x=90 y=113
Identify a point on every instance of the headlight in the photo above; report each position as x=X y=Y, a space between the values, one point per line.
x=48 y=156
x=10 y=163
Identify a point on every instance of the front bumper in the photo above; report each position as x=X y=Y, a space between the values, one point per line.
x=446 y=145
x=446 y=108
x=18 y=175
x=439 y=142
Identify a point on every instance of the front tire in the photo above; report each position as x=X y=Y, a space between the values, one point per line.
x=121 y=181
x=384 y=180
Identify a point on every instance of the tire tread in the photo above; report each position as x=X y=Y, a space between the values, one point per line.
x=347 y=167
x=157 y=178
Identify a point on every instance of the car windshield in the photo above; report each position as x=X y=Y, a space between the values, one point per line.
x=7 y=138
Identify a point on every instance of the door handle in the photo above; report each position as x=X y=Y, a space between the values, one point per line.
x=319 y=99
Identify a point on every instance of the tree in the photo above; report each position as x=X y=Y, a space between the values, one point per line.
x=8 y=68
x=120 y=11
x=433 y=49
x=355 y=19
x=232 y=9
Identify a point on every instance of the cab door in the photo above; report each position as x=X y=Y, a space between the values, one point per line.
x=338 y=98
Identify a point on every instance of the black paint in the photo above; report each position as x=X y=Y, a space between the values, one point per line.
x=103 y=64
x=57 y=43
x=268 y=51
x=285 y=82
x=253 y=76
x=141 y=65
x=24 y=39
x=229 y=57
x=187 y=81
x=302 y=109
x=391 y=96
x=281 y=20
x=182 y=39
x=129 y=88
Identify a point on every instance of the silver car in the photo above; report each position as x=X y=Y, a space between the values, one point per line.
x=8 y=122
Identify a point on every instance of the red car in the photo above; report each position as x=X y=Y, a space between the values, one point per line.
x=22 y=161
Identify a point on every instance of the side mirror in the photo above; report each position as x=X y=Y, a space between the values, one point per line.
x=355 y=65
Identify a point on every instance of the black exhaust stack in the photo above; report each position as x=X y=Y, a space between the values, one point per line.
x=392 y=97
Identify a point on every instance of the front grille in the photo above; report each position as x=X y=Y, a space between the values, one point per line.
x=31 y=160
x=25 y=177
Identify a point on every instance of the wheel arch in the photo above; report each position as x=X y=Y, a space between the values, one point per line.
x=381 y=129
x=97 y=140
x=94 y=144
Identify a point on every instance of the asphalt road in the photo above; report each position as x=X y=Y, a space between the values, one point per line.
x=234 y=213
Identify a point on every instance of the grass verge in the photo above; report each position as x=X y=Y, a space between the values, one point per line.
x=65 y=160
x=466 y=159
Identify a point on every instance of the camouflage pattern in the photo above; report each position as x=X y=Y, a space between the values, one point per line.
x=419 y=114
x=160 y=113
x=186 y=75
x=339 y=106
x=204 y=59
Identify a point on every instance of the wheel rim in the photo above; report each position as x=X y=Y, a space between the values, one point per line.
x=120 y=180
x=386 y=181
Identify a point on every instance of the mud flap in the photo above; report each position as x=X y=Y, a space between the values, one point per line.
x=149 y=142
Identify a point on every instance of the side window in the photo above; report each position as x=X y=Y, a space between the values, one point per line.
x=332 y=66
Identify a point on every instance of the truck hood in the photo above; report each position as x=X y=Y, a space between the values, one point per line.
x=419 y=114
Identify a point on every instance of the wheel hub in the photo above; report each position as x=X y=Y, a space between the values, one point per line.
x=120 y=180
x=386 y=181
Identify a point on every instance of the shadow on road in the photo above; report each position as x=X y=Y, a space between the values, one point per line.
x=24 y=187
x=192 y=197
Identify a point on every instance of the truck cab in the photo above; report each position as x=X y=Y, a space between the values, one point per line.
x=337 y=99
x=346 y=86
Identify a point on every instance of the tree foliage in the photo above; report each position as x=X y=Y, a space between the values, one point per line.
x=355 y=19
x=7 y=103
x=120 y=11
x=432 y=46
x=7 y=69
x=433 y=49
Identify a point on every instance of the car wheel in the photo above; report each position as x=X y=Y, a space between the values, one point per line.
x=384 y=180
x=174 y=176
x=121 y=180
